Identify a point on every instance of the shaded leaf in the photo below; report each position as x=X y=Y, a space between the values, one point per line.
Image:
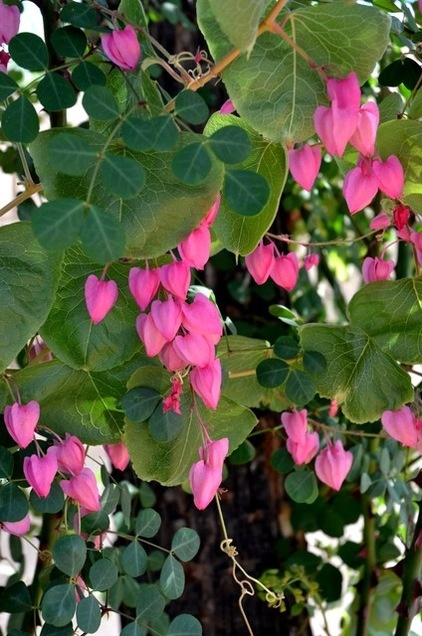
x=29 y=51
x=19 y=121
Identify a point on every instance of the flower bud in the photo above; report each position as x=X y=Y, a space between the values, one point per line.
x=359 y=187
x=295 y=424
x=21 y=421
x=118 y=454
x=333 y=464
x=206 y=382
x=304 y=164
x=206 y=475
x=260 y=262
x=390 y=176
x=374 y=269
x=18 y=528
x=83 y=489
x=401 y=426
x=9 y=23
x=100 y=297
x=175 y=278
x=363 y=139
x=40 y=471
x=303 y=452
x=380 y=221
x=285 y=271
x=143 y=285
x=167 y=317
x=196 y=247
x=202 y=316
x=122 y=48
x=70 y=455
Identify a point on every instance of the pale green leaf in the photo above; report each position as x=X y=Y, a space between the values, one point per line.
x=239 y=20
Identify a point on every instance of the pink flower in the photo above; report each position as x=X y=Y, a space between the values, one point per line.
x=285 y=271
x=390 y=176
x=206 y=382
x=333 y=464
x=167 y=316
x=70 y=455
x=83 y=489
x=303 y=452
x=401 y=426
x=175 y=278
x=363 y=139
x=206 y=475
x=379 y=222
x=119 y=454
x=100 y=297
x=360 y=186
x=196 y=247
x=143 y=285
x=374 y=269
x=260 y=262
x=304 y=164
x=209 y=218
x=18 y=528
x=295 y=424
x=227 y=108
x=4 y=60
x=401 y=216
x=311 y=260
x=9 y=22
x=345 y=92
x=195 y=349
x=416 y=239
x=21 y=421
x=202 y=316
x=172 y=402
x=40 y=471
x=151 y=337
x=122 y=48
x=170 y=358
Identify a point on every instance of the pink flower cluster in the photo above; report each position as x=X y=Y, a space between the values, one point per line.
x=403 y=426
x=264 y=263
x=332 y=463
x=9 y=26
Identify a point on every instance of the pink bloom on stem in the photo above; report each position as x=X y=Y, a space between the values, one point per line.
x=360 y=186
x=345 y=91
x=401 y=216
x=100 y=297
x=170 y=358
x=4 y=61
x=380 y=221
x=333 y=410
x=167 y=316
x=209 y=218
x=303 y=452
x=374 y=269
x=333 y=464
x=196 y=247
x=363 y=139
x=122 y=48
x=416 y=239
x=390 y=176
x=143 y=285
x=172 y=402
x=151 y=337
x=260 y=262
x=195 y=349
x=175 y=278
x=401 y=426
x=206 y=382
x=9 y=22
x=40 y=471
x=304 y=164
x=202 y=316
x=70 y=455
x=21 y=421
x=206 y=475
x=311 y=260
x=83 y=489
x=295 y=424
x=18 y=528
x=118 y=454
x=285 y=271
x=227 y=108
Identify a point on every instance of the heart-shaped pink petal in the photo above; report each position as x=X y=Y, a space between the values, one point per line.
x=100 y=297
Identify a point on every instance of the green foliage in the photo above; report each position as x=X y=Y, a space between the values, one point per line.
x=58 y=604
x=242 y=30
x=69 y=554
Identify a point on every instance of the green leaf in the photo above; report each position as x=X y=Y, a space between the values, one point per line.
x=139 y=403
x=166 y=133
x=51 y=504
x=286 y=348
x=69 y=554
x=172 y=578
x=300 y=387
x=52 y=630
x=15 y=599
x=110 y=498
x=122 y=176
x=150 y=604
x=55 y=93
x=330 y=581
x=103 y=237
x=148 y=523
x=57 y=224
x=69 y=41
x=246 y=192
x=264 y=86
x=272 y=373
x=185 y=544
x=239 y=22
x=154 y=221
x=29 y=51
x=103 y=575
x=7 y=86
x=95 y=523
x=134 y=559
x=164 y=426
x=100 y=103
x=191 y=107
x=19 y=121
x=85 y=75
x=282 y=461
x=192 y=164
x=138 y=134
x=169 y=462
x=80 y=15
x=314 y=362
x=28 y=282
x=6 y=463
x=243 y=454
x=132 y=629
x=88 y=614
x=301 y=486
x=230 y=144
x=185 y=625
x=73 y=154
x=58 y=604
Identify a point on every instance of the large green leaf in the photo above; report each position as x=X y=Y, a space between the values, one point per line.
x=276 y=90
x=69 y=331
x=403 y=138
x=239 y=20
x=28 y=282
x=169 y=462
x=241 y=234
x=160 y=216
x=78 y=402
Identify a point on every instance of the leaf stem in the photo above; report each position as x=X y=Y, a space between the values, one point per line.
x=36 y=187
